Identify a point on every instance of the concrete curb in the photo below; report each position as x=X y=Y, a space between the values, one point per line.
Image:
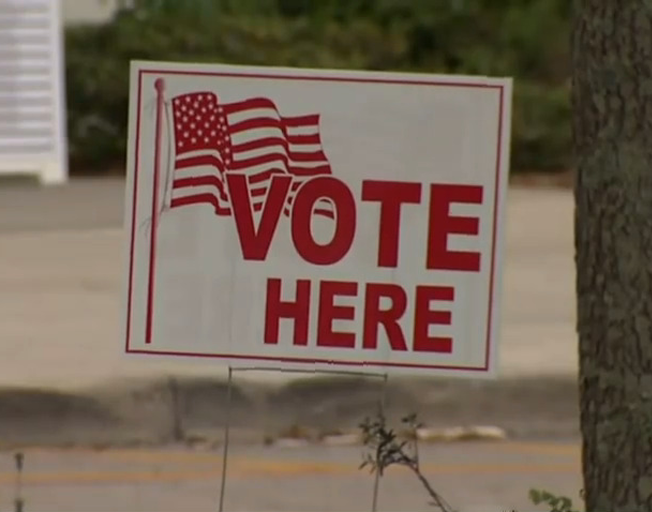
x=425 y=434
x=473 y=433
x=324 y=412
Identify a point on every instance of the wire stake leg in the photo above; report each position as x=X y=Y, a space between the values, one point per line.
x=227 y=428
x=383 y=398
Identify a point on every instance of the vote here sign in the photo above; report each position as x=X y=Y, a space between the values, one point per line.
x=314 y=219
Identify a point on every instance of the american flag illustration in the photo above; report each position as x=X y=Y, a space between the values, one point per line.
x=249 y=137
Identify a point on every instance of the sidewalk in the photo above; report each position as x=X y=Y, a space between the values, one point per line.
x=61 y=276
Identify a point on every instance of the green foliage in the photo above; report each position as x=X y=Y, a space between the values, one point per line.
x=541 y=132
x=385 y=449
x=556 y=503
x=526 y=39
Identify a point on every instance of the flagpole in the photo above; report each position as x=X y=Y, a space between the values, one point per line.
x=159 y=85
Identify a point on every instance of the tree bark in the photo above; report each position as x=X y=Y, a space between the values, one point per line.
x=612 y=124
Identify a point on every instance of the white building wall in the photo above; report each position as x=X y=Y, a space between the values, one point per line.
x=88 y=11
x=32 y=104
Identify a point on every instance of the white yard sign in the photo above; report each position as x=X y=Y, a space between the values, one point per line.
x=314 y=219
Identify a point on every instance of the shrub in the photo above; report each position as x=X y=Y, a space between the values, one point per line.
x=457 y=36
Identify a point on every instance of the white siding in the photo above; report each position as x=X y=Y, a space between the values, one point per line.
x=32 y=124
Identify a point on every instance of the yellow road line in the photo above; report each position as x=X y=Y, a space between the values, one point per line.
x=214 y=457
x=172 y=456
x=163 y=456
x=105 y=477
x=299 y=468
x=543 y=448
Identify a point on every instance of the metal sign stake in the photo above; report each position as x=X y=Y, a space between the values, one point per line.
x=383 y=399
x=227 y=417
x=227 y=428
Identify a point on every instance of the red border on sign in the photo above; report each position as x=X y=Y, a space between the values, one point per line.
x=501 y=92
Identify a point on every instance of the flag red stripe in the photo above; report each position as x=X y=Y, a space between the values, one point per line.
x=297 y=156
x=255 y=123
x=312 y=138
x=200 y=181
x=249 y=104
x=264 y=103
x=259 y=143
x=268 y=142
x=208 y=198
x=301 y=121
x=196 y=161
x=278 y=157
x=199 y=199
x=268 y=122
x=181 y=183
x=214 y=181
x=300 y=157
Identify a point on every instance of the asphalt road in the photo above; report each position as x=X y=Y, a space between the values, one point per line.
x=483 y=477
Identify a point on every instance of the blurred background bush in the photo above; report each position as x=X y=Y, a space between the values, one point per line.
x=526 y=39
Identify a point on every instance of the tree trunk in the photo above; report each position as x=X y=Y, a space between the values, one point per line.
x=612 y=123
